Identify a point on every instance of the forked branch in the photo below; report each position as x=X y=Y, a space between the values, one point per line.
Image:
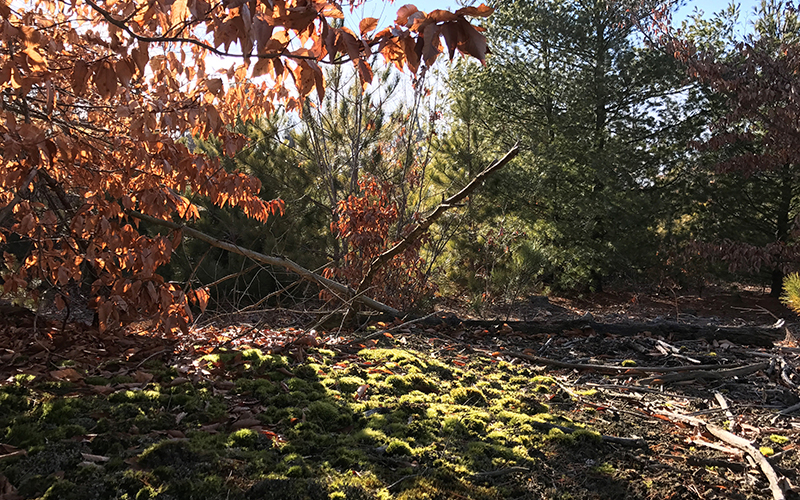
x=346 y=292
x=423 y=226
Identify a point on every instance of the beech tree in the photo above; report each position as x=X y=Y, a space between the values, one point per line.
x=95 y=95
x=751 y=199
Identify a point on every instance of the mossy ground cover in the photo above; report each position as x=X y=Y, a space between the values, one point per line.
x=377 y=423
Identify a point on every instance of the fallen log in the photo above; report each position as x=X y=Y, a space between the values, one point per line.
x=741 y=335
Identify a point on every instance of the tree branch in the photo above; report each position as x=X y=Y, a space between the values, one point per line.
x=423 y=226
x=274 y=261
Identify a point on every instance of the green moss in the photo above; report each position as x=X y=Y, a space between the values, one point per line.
x=166 y=453
x=96 y=381
x=24 y=378
x=12 y=403
x=778 y=439
x=345 y=385
x=397 y=447
x=243 y=438
x=560 y=436
x=24 y=435
x=328 y=415
x=605 y=468
x=587 y=436
x=60 y=490
x=468 y=396
x=766 y=451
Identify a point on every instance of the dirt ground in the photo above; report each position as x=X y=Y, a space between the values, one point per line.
x=668 y=411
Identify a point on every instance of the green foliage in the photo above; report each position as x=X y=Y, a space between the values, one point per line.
x=580 y=93
x=791 y=292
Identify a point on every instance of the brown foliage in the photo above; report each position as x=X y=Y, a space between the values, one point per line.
x=364 y=222
x=95 y=95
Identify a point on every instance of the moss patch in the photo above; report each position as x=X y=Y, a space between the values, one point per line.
x=335 y=426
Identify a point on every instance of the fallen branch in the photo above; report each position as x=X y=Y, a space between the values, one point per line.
x=742 y=444
x=612 y=368
x=632 y=442
x=790 y=409
x=713 y=375
x=761 y=460
x=347 y=292
x=423 y=226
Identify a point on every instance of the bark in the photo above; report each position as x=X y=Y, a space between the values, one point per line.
x=345 y=292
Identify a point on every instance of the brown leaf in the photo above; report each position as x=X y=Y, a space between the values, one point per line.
x=126 y=68
x=367 y=24
x=142 y=377
x=80 y=75
x=365 y=72
x=403 y=14
x=432 y=44
x=245 y=423
x=332 y=11
x=214 y=85
x=472 y=42
x=7 y=490
x=440 y=15
x=105 y=79
x=481 y=10
x=68 y=374
x=361 y=392
x=104 y=390
x=95 y=458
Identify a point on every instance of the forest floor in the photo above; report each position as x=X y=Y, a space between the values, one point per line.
x=411 y=410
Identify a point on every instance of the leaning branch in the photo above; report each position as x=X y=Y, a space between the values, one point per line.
x=304 y=273
x=423 y=226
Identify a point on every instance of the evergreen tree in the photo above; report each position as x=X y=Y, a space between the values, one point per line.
x=750 y=196
x=604 y=120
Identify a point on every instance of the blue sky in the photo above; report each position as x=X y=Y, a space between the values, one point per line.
x=386 y=11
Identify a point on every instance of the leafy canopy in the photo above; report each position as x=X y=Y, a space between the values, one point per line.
x=95 y=95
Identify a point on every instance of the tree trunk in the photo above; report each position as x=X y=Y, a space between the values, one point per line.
x=782 y=229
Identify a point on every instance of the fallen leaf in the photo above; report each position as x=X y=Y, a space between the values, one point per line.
x=143 y=377
x=103 y=390
x=361 y=392
x=7 y=490
x=68 y=374
x=245 y=423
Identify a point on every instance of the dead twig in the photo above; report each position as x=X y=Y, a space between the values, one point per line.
x=344 y=290
x=615 y=369
x=742 y=444
x=712 y=375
